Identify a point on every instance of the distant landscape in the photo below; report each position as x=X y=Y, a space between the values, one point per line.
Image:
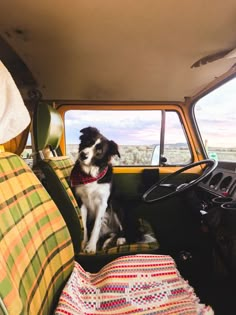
x=130 y=155
x=144 y=154
x=223 y=154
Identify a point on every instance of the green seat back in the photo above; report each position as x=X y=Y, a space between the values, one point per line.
x=47 y=132
x=48 y=127
x=57 y=172
x=36 y=253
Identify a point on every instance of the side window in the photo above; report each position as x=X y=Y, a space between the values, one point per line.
x=216 y=115
x=176 y=148
x=137 y=132
x=27 y=152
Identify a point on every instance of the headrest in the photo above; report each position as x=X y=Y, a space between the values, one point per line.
x=47 y=127
x=14 y=116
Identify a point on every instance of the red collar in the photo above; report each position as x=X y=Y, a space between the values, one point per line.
x=78 y=177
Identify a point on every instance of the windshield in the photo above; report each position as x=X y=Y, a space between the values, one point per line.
x=216 y=117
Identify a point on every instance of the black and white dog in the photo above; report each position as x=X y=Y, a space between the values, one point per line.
x=91 y=180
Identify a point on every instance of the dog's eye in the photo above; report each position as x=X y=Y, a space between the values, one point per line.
x=99 y=151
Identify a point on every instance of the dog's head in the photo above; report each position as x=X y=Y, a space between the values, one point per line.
x=95 y=149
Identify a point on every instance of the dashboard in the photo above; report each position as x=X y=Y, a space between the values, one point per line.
x=221 y=182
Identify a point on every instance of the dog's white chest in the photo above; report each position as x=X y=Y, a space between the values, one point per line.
x=94 y=195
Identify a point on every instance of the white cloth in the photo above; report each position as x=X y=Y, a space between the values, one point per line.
x=14 y=116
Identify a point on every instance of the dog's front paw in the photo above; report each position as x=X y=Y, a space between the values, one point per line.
x=83 y=245
x=121 y=241
x=90 y=248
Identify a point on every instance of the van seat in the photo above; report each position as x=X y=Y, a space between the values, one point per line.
x=36 y=253
x=56 y=168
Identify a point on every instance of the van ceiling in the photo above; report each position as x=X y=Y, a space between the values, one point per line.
x=118 y=49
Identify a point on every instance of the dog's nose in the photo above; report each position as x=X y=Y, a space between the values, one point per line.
x=82 y=156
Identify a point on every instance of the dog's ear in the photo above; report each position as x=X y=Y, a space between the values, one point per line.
x=113 y=148
x=90 y=131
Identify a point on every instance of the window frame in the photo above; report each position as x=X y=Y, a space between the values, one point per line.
x=176 y=107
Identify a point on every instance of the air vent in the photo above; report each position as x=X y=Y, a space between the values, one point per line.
x=224 y=185
x=215 y=180
x=233 y=188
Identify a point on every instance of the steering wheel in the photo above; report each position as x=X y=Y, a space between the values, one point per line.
x=164 y=190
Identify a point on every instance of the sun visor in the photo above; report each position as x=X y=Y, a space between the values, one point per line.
x=14 y=116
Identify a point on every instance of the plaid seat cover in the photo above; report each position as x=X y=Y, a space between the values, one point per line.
x=55 y=172
x=62 y=167
x=36 y=255
x=138 y=284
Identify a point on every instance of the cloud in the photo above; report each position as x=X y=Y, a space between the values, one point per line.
x=124 y=127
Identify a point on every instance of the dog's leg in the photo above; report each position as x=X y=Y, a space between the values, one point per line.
x=84 y=213
x=109 y=242
x=120 y=240
x=99 y=207
x=92 y=243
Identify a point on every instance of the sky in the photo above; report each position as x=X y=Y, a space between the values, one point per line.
x=216 y=116
x=115 y=125
x=124 y=127
x=215 y=113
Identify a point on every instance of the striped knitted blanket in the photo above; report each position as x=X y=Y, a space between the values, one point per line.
x=138 y=284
